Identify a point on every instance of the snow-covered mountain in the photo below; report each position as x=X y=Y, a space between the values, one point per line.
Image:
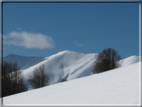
x=118 y=87
x=65 y=64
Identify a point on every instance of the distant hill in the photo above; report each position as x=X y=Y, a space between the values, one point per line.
x=24 y=62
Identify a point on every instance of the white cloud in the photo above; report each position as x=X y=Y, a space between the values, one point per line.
x=28 y=40
x=78 y=44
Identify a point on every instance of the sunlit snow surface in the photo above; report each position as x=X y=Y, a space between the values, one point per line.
x=118 y=86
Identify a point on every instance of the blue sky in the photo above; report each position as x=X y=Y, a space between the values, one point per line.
x=43 y=29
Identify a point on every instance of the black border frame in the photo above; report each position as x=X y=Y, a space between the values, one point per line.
x=70 y=1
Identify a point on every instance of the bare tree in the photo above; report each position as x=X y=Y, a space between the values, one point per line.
x=39 y=78
x=108 y=59
x=12 y=79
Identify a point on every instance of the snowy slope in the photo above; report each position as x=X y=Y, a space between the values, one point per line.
x=119 y=87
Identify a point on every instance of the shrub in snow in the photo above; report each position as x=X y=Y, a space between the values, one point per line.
x=63 y=80
x=39 y=78
x=106 y=60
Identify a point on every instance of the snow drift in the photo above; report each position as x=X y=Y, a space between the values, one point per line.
x=120 y=86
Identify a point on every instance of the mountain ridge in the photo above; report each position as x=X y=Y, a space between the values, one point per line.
x=64 y=64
